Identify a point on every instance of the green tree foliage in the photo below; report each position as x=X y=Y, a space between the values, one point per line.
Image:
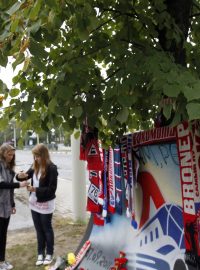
x=110 y=61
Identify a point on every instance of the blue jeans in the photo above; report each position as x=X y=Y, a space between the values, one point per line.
x=44 y=231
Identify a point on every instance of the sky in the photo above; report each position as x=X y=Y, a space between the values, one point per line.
x=6 y=75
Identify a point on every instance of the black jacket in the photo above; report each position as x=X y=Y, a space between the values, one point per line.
x=47 y=185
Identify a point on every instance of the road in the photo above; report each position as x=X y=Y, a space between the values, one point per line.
x=64 y=208
x=62 y=159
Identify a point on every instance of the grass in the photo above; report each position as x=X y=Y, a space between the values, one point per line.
x=21 y=251
x=23 y=257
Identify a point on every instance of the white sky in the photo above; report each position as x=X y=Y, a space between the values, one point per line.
x=6 y=75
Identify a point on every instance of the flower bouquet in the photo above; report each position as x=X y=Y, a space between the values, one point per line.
x=62 y=262
x=70 y=262
x=120 y=262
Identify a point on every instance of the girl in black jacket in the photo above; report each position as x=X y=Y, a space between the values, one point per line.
x=43 y=174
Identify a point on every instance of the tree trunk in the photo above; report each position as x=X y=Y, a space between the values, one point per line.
x=180 y=10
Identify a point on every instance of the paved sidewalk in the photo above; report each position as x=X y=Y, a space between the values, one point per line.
x=22 y=218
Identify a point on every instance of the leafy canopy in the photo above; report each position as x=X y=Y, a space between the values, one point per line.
x=110 y=61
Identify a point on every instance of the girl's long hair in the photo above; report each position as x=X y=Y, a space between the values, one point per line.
x=6 y=147
x=42 y=151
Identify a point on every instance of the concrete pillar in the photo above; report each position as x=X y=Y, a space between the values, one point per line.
x=14 y=135
x=38 y=138
x=78 y=182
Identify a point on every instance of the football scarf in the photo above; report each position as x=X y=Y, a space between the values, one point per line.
x=118 y=180
x=83 y=140
x=98 y=219
x=101 y=195
x=105 y=174
x=93 y=156
x=131 y=180
x=111 y=182
x=93 y=193
x=127 y=183
x=101 y=191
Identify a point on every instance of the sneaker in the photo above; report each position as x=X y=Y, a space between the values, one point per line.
x=40 y=260
x=6 y=266
x=48 y=259
x=3 y=266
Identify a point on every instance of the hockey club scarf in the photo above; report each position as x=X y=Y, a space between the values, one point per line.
x=93 y=156
x=118 y=180
x=89 y=148
x=83 y=140
x=93 y=193
x=127 y=183
x=136 y=164
x=111 y=182
x=105 y=175
x=98 y=219
x=131 y=179
x=101 y=192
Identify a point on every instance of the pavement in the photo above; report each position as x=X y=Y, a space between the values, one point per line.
x=22 y=218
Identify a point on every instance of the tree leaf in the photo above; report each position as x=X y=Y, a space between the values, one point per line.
x=77 y=111
x=15 y=7
x=14 y=92
x=52 y=105
x=3 y=60
x=35 y=26
x=193 y=110
x=126 y=100
x=14 y=25
x=38 y=63
x=37 y=49
x=167 y=109
x=20 y=59
x=171 y=90
x=35 y=10
x=192 y=93
x=122 y=116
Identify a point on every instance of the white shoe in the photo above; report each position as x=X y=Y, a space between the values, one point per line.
x=3 y=266
x=6 y=266
x=40 y=260
x=48 y=259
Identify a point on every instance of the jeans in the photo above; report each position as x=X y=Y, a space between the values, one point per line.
x=44 y=231
x=3 y=236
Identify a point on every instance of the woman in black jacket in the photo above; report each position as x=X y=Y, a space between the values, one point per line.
x=43 y=174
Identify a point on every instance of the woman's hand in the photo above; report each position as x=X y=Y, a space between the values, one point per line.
x=31 y=188
x=13 y=210
x=23 y=184
x=22 y=175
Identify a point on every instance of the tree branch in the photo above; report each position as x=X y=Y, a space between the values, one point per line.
x=110 y=20
x=111 y=75
x=136 y=45
x=89 y=53
x=196 y=5
x=194 y=15
x=121 y=13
